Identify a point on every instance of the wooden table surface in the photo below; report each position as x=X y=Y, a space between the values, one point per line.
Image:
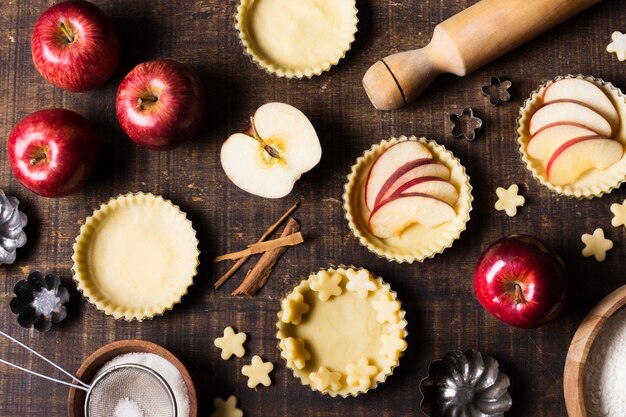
x=438 y=294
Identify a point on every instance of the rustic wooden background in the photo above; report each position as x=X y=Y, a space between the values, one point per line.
x=438 y=295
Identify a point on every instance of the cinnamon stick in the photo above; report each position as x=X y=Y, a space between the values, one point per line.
x=260 y=247
x=243 y=260
x=257 y=276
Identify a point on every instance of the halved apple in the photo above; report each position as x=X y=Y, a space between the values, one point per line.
x=388 y=162
x=402 y=210
x=569 y=111
x=579 y=155
x=271 y=156
x=550 y=137
x=433 y=186
x=585 y=92
x=425 y=167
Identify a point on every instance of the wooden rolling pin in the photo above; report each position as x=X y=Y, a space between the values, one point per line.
x=463 y=43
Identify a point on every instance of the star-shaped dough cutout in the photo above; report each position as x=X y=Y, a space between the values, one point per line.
x=360 y=374
x=258 y=372
x=596 y=245
x=326 y=285
x=324 y=379
x=392 y=344
x=226 y=408
x=618 y=46
x=293 y=308
x=509 y=200
x=360 y=282
x=386 y=309
x=294 y=351
x=619 y=214
x=231 y=343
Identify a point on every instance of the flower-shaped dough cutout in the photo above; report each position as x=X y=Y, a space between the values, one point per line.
x=294 y=351
x=361 y=282
x=465 y=125
x=325 y=379
x=258 y=372
x=231 y=343
x=618 y=46
x=596 y=245
x=226 y=408
x=619 y=214
x=386 y=309
x=497 y=91
x=326 y=285
x=391 y=344
x=509 y=200
x=360 y=374
x=293 y=308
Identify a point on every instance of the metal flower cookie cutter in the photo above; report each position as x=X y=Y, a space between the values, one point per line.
x=465 y=124
x=497 y=91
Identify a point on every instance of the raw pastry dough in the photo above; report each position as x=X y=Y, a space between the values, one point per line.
x=618 y=46
x=619 y=214
x=258 y=372
x=360 y=373
x=294 y=352
x=596 y=245
x=325 y=379
x=226 y=408
x=293 y=308
x=509 y=200
x=360 y=282
x=326 y=285
x=231 y=343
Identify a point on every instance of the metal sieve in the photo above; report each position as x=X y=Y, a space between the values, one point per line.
x=145 y=389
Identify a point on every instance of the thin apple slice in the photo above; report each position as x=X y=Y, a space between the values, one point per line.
x=579 y=155
x=418 y=168
x=585 y=92
x=402 y=210
x=388 y=162
x=569 y=111
x=433 y=186
x=549 y=138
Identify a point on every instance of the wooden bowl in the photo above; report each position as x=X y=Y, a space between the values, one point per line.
x=89 y=368
x=574 y=373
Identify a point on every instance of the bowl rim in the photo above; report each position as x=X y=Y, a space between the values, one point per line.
x=97 y=359
x=578 y=351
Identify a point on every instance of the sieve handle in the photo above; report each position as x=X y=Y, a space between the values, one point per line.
x=81 y=385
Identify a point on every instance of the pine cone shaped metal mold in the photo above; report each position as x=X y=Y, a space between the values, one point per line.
x=39 y=301
x=497 y=91
x=465 y=384
x=465 y=124
x=12 y=222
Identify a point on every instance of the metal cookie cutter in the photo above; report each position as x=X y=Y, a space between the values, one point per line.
x=465 y=124
x=497 y=91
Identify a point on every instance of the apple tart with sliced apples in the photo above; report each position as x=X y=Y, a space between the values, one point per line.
x=572 y=137
x=407 y=199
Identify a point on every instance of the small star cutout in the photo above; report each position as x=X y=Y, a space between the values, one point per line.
x=386 y=309
x=596 y=245
x=326 y=285
x=360 y=282
x=360 y=373
x=293 y=308
x=509 y=200
x=618 y=46
x=226 y=408
x=619 y=214
x=324 y=379
x=294 y=351
x=392 y=344
x=258 y=372
x=231 y=343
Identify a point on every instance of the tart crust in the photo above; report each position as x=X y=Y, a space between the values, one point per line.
x=135 y=256
x=296 y=38
x=595 y=182
x=352 y=342
x=416 y=242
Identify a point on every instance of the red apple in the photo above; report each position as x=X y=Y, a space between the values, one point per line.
x=520 y=281
x=160 y=104
x=52 y=152
x=75 y=46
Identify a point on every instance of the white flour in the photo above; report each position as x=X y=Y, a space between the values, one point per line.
x=605 y=371
x=164 y=368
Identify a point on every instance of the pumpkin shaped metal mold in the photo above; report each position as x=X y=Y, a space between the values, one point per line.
x=465 y=384
x=12 y=222
x=39 y=301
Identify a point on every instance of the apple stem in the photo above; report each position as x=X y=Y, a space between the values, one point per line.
x=68 y=32
x=34 y=161
x=519 y=295
x=271 y=151
x=148 y=99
